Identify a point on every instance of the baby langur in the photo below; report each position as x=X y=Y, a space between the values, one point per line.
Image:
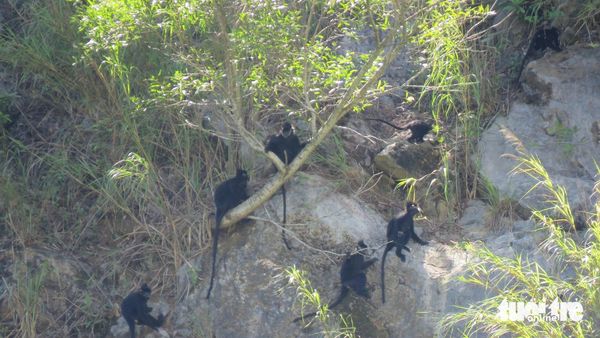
x=352 y=275
x=286 y=145
x=399 y=231
x=228 y=195
x=134 y=308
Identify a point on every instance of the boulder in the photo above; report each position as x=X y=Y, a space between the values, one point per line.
x=555 y=122
x=403 y=159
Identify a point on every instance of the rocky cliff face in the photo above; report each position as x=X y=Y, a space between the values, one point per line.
x=557 y=120
x=248 y=300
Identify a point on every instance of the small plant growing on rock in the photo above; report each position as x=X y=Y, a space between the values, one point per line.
x=307 y=296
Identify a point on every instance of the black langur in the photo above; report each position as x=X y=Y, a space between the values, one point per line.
x=135 y=308
x=399 y=231
x=543 y=38
x=286 y=145
x=418 y=128
x=228 y=195
x=352 y=276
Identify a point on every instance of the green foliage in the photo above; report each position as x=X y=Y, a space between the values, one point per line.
x=4 y=104
x=409 y=184
x=589 y=17
x=564 y=136
x=535 y=11
x=449 y=83
x=140 y=75
x=40 y=50
x=127 y=37
x=26 y=298
x=4 y=119
x=21 y=212
x=456 y=89
x=412 y=185
x=307 y=296
x=334 y=158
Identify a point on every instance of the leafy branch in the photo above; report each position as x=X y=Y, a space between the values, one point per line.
x=364 y=80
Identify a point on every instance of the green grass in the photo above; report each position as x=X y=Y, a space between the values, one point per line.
x=588 y=18
x=457 y=89
x=535 y=12
x=333 y=157
x=25 y=298
x=308 y=297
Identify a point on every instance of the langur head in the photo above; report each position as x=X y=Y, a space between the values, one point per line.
x=287 y=129
x=412 y=208
x=242 y=176
x=146 y=291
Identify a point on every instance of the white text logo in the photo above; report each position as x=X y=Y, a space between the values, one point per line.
x=533 y=312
